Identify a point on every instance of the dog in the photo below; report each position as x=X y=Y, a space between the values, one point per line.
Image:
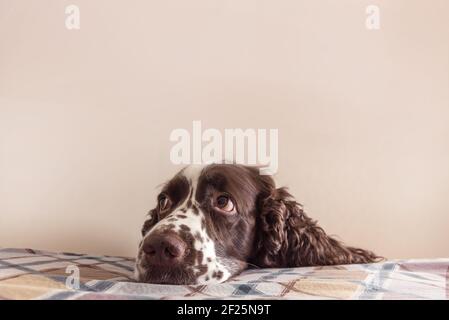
x=212 y=222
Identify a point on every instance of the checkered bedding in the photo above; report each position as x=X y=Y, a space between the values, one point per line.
x=32 y=274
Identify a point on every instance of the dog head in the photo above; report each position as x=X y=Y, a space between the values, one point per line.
x=203 y=227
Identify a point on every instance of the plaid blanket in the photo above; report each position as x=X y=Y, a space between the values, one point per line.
x=32 y=274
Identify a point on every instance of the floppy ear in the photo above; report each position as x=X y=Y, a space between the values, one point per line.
x=288 y=237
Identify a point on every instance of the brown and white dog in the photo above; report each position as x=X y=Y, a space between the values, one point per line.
x=212 y=222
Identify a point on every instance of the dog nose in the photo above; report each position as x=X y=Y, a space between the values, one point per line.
x=164 y=249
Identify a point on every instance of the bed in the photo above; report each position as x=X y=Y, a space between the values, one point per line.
x=35 y=274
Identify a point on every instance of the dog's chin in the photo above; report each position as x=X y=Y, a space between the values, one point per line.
x=181 y=275
x=164 y=275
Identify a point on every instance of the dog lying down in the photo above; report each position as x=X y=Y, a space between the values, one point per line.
x=212 y=222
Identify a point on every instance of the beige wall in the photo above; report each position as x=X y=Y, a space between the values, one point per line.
x=363 y=116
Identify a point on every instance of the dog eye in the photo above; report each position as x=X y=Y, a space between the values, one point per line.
x=164 y=203
x=224 y=203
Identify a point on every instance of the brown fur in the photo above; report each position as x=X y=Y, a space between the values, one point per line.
x=287 y=237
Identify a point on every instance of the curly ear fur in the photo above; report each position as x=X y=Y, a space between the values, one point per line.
x=289 y=238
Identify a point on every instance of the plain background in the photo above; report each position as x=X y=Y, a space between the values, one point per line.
x=363 y=116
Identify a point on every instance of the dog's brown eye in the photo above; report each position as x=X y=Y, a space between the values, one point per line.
x=224 y=203
x=163 y=203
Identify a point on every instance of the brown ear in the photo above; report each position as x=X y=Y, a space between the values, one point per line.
x=288 y=237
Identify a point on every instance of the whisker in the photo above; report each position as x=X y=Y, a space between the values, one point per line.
x=253 y=265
